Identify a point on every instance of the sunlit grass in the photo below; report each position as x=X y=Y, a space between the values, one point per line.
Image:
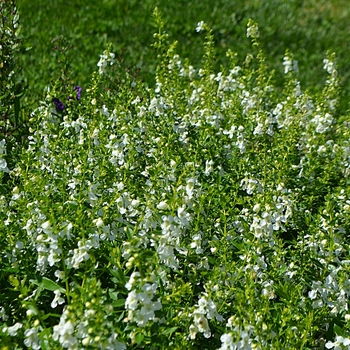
x=308 y=28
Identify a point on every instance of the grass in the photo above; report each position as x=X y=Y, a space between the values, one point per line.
x=307 y=28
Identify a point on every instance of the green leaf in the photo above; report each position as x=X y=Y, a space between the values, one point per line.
x=71 y=204
x=10 y=269
x=170 y=330
x=139 y=338
x=339 y=331
x=119 y=274
x=161 y=286
x=282 y=291
x=50 y=315
x=120 y=317
x=119 y=303
x=113 y=295
x=47 y=284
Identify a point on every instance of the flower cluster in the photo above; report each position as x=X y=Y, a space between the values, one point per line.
x=105 y=59
x=87 y=325
x=205 y=310
x=140 y=304
x=3 y=163
x=252 y=30
x=244 y=343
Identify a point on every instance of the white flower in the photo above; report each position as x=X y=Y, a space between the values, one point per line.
x=227 y=342
x=329 y=66
x=3 y=163
x=190 y=183
x=57 y=299
x=135 y=203
x=259 y=129
x=12 y=331
x=146 y=312
x=256 y=208
x=252 y=30
x=59 y=274
x=98 y=222
x=208 y=167
x=19 y=245
x=287 y=62
x=3 y=166
x=290 y=65
x=196 y=244
x=163 y=205
x=193 y=331
x=3 y=314
x=46 y=226
x=80 y=254
x=147 y=306
x=201 y=322
x=105 y=111
x=249 y=185
x=323 y=123
x=63 y=332
x=107 y=57
x=132 y=300
x=200 y=26
x=133 y=278
x=32 y=339
x=102 y=63
x=339 y=340
x=206 y=310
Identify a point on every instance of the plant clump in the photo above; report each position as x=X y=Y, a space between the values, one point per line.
x=208 y=212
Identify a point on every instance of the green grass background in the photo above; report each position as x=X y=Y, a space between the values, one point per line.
x=308 y=28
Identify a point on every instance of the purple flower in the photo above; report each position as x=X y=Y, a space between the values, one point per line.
x=59 y=105
x=78 y=89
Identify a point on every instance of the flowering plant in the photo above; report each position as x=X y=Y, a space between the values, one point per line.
x=210 y=211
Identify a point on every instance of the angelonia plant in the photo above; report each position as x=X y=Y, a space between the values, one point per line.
x=208 y=212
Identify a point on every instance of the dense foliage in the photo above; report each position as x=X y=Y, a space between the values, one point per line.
x=210 y=211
